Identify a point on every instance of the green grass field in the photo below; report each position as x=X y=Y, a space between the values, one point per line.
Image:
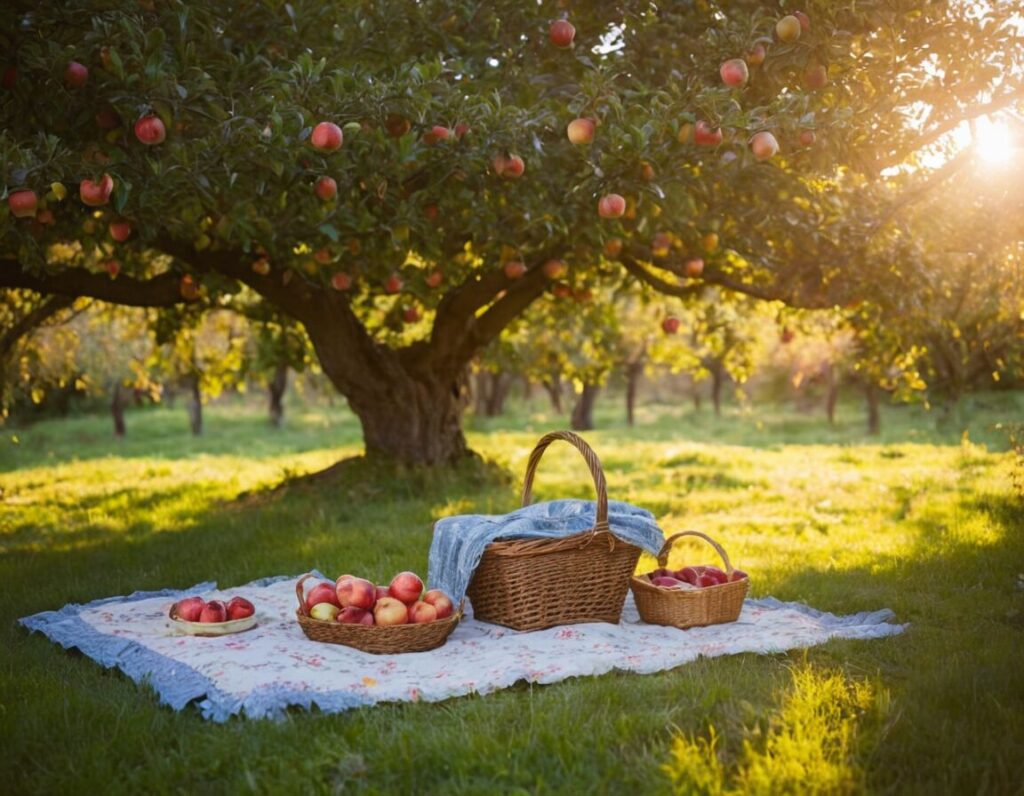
x=924 y=522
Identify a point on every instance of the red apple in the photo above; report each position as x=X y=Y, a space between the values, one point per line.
x=756 y=55
x=561 y=33
x=23 y=204
x=341 y=281
x=611 y=206
x=410 y=314
x=120 y=230
x=393 y=284
x=514 y=269
x=805 y=21
x=717 y=574
x=150 y=130
x=561 y=290
x=45 y=216
x=670 y=325
x=326 y=188
x=689 y=574
x=764 y=145
x=112 y=267
x=434 y=279
x=647 y=172
x=261 y=266
x=382 y=591
x=788 y=28
x=807 y=137
x=709 y=242
x=240 y=608
x=96 y=194
x=326 y=136
x=421 y=613
x=787 y=335
x=441 y=602
x=738 y=574
x=354 y=616
x=665 y=582
x=816 y=76
x=406 y=586
x=322 y=593
x=734 y=72
x=554 y=269
x=660 y=572
x=581 y=131
x=76 y=75
x=693 y=267
x=107 y=119
x=705 y=580
x=358 y=592
x=390 y=611
x=189 y=289
x=431 y=211
x=461 y=129
x=189 y=609
x=396 y=125
x=214 y=611
x=613 y=247
x=511 y=167
x=323 y=256
x=435 y=134
x=705 y=135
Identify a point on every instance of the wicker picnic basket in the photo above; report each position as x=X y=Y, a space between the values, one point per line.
x=379 y=640
x=711 y=605
x=532 y=584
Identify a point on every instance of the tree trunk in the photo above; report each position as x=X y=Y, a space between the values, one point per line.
x=195 y=406
x=717 y=379
x=553 y=387
x=278 y=384
x=695 y=394
x=500 y=384
x=117 y=409
x=874 y=415
x=833 y=396
x=583 y=411
x=481 y=392
x=527 y=389
x=633 y=372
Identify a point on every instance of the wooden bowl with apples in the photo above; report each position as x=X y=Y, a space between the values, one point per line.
x=692 y=596
x=399 y=617
x=194 y=616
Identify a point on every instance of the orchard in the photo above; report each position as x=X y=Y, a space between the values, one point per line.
x=211 y=152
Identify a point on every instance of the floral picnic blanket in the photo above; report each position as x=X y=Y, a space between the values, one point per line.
x=263 y=671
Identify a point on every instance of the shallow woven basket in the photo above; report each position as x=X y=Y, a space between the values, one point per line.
x=711 y=605
x=538 y=583
x=379 y=640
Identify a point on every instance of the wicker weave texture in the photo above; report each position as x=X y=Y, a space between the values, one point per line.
x=711 y=605
x=540 y=583
x=378 y=640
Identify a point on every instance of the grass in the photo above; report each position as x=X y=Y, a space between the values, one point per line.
x=922 y=521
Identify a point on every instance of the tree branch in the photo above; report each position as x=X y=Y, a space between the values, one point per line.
x=162 y=290
x=33 y=320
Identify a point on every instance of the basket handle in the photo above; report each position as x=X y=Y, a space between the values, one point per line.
x=665 y=548
x=300 y=594
x=601 y=520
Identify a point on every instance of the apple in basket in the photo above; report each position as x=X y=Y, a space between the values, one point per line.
x=406 y=586
x=326 y=612
x=189 y=609
x=322 y=593
x=355 y=616
x=421 y=613
x=214 y=611
x=390 y=611
x=357 y=592
x=441 y=601
x=738 y=574
x=382 y=591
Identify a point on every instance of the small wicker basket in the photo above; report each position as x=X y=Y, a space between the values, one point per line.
x=538 y=583
x=710 y=605
x=379 y=640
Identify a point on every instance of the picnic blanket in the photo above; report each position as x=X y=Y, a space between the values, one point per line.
x=261 y=672
x=458 y=542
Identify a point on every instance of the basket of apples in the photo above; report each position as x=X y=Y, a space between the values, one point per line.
x=692 y=596
x=197 y=617
x=399 y=617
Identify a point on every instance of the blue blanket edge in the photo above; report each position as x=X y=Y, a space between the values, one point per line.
x=177 y=684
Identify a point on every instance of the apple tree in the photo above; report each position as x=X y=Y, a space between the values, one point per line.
x=405 y=180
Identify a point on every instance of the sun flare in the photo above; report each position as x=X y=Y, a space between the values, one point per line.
x=994 y=142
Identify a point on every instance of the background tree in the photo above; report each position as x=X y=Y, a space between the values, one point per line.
x=195 y=133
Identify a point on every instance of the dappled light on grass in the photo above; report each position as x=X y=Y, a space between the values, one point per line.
x=806 y=745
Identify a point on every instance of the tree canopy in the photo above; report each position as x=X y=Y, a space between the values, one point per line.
x=174 y=151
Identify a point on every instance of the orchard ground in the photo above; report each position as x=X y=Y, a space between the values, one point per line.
x=926 y=522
